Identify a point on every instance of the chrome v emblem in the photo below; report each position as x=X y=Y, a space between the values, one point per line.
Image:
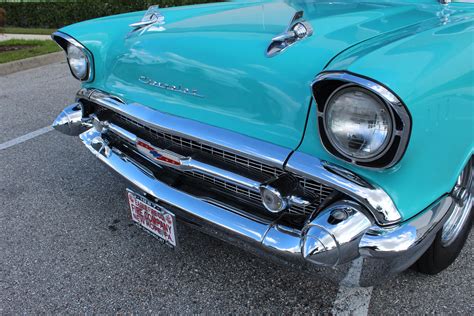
x=152 y=19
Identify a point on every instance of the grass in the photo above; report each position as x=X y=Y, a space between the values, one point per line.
x=22 y=30
x=33 y=48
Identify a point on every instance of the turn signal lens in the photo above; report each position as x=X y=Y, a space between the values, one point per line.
x=272 y=199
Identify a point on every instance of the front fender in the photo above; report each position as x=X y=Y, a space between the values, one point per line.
x=431 y=69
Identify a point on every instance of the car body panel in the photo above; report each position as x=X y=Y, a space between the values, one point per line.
x=219 y=49
x=435 y=81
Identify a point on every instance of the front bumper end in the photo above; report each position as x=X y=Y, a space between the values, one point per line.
x=327 y=241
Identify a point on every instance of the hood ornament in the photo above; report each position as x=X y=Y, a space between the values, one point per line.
x=152 y=20
x=297 y=30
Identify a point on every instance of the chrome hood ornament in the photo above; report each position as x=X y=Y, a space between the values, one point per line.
x=152 y=20
x=297 y=30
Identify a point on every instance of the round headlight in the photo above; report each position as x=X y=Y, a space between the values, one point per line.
x=357 y=123
x=78 y=62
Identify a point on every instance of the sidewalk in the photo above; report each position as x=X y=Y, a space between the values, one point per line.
x=5 y=37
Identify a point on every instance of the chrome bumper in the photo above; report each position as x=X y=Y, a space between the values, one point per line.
x=324 y=244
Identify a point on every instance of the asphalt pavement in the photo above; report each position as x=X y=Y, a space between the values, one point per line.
x=67 y=244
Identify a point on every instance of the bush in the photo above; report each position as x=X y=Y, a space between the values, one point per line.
x=3 y=17
x=58 y=14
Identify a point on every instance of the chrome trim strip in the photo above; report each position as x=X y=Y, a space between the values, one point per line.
x=123 y=133
x=60 y=38
x=239 y=144
x=377 y=201
x=391 y=100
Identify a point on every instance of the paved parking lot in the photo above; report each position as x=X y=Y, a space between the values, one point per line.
x=67 y=244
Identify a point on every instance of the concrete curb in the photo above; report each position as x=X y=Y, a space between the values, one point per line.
x=41 y=37
x=29 y=63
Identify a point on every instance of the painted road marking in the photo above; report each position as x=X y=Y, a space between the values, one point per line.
x=25 y=137
x=352 y=300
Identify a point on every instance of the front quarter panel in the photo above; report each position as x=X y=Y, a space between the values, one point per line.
x=432 y=72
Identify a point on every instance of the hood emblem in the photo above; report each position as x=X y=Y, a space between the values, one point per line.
x=170 y=87
x=153 y=20
x=297 y=30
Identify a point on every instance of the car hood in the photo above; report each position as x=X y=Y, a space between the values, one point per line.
x=218 y=51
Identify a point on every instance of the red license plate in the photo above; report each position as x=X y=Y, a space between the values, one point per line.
x=155 y=219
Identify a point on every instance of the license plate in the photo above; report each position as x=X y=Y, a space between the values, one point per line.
x=155 y=219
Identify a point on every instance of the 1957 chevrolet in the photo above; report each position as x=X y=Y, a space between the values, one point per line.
x=322 y=133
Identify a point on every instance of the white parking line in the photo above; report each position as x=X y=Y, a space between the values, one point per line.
x=25 y=137
x=352 y=300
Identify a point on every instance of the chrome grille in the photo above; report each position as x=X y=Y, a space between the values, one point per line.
x=309 y=186
x=226 y=156
x=229 y=187
x=312 y=186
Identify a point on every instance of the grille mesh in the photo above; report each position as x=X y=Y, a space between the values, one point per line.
x=320 y=190
x=251 y=195
x=215 y=152
x=309 y=186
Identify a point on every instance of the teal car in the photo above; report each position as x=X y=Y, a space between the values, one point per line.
x=322 y=134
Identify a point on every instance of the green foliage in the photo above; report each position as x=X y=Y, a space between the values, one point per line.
x=58 y=14
x=3 y=17
x=32 y=48
x=22 y=30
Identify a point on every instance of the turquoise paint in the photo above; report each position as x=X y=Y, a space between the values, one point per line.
x=219 y=50
x=431 y=69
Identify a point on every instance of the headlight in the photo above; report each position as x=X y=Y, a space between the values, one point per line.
x=78 y=62
x=80 y=59
x=358 y=123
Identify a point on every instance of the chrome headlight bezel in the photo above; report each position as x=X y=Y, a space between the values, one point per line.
x=65 y=41
x=327 y=84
